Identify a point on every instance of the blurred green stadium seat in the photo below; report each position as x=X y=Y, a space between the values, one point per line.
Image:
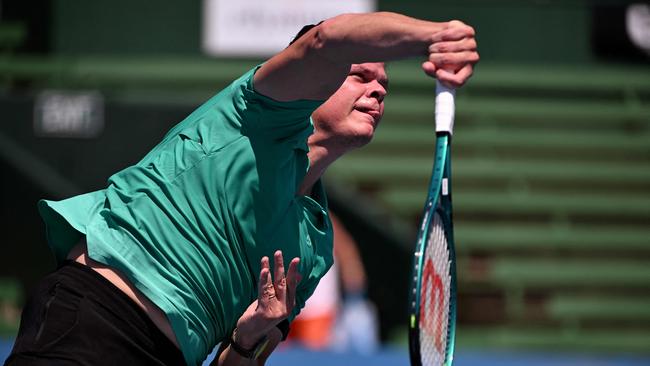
x=551 y=203
x=396 y=170
x=486 y=238
x=572 y=308
x=555 y=273
x=608 y=340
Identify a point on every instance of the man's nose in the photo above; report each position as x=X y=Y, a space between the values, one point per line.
x=377 y=91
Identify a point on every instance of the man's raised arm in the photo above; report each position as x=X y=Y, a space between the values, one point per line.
x=316 y=65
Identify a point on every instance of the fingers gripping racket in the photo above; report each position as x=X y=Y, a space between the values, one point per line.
x=433 y=289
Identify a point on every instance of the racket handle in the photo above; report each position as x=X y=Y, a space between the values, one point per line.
x=445 y=108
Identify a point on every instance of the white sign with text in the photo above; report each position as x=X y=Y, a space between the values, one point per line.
x=264 y=27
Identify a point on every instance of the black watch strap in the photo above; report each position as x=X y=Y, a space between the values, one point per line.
x=246 y=353
x=284 y=327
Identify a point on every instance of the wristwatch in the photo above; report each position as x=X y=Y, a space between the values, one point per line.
x=252 y=353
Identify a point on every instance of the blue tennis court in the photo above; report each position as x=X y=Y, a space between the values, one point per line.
x=395 y=357
x=389 y=356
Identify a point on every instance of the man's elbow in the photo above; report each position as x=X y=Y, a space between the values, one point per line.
x=327 y=37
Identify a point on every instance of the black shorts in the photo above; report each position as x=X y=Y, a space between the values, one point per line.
x=77 y=317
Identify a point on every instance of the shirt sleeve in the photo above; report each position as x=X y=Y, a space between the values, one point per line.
x=275 y=119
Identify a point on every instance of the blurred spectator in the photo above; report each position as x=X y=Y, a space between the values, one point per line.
x=335 y=318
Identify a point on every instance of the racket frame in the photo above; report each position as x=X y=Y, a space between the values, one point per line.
x=438 y=201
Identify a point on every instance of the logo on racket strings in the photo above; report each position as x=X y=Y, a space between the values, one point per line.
x=432 y=309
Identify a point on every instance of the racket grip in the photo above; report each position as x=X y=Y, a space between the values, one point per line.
x=445 y=108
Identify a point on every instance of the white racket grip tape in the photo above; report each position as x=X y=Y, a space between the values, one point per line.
x=445 y=108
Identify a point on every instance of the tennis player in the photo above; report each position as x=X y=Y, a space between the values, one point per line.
x=174 y=255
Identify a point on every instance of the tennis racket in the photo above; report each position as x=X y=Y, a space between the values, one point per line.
x=432 y=319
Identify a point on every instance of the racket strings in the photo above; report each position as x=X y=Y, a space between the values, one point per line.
x=435 y=297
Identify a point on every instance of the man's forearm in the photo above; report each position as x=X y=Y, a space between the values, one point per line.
x=383 y=36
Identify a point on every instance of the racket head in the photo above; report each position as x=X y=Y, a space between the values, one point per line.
x=433 y=290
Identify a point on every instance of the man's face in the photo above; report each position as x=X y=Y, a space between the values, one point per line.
x=352 y=113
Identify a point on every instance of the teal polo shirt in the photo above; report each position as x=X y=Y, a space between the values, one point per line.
x=190 y=222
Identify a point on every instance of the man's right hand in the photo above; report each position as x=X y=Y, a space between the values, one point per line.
x=452 y=54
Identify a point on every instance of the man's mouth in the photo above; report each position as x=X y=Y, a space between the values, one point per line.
x=374 y=113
